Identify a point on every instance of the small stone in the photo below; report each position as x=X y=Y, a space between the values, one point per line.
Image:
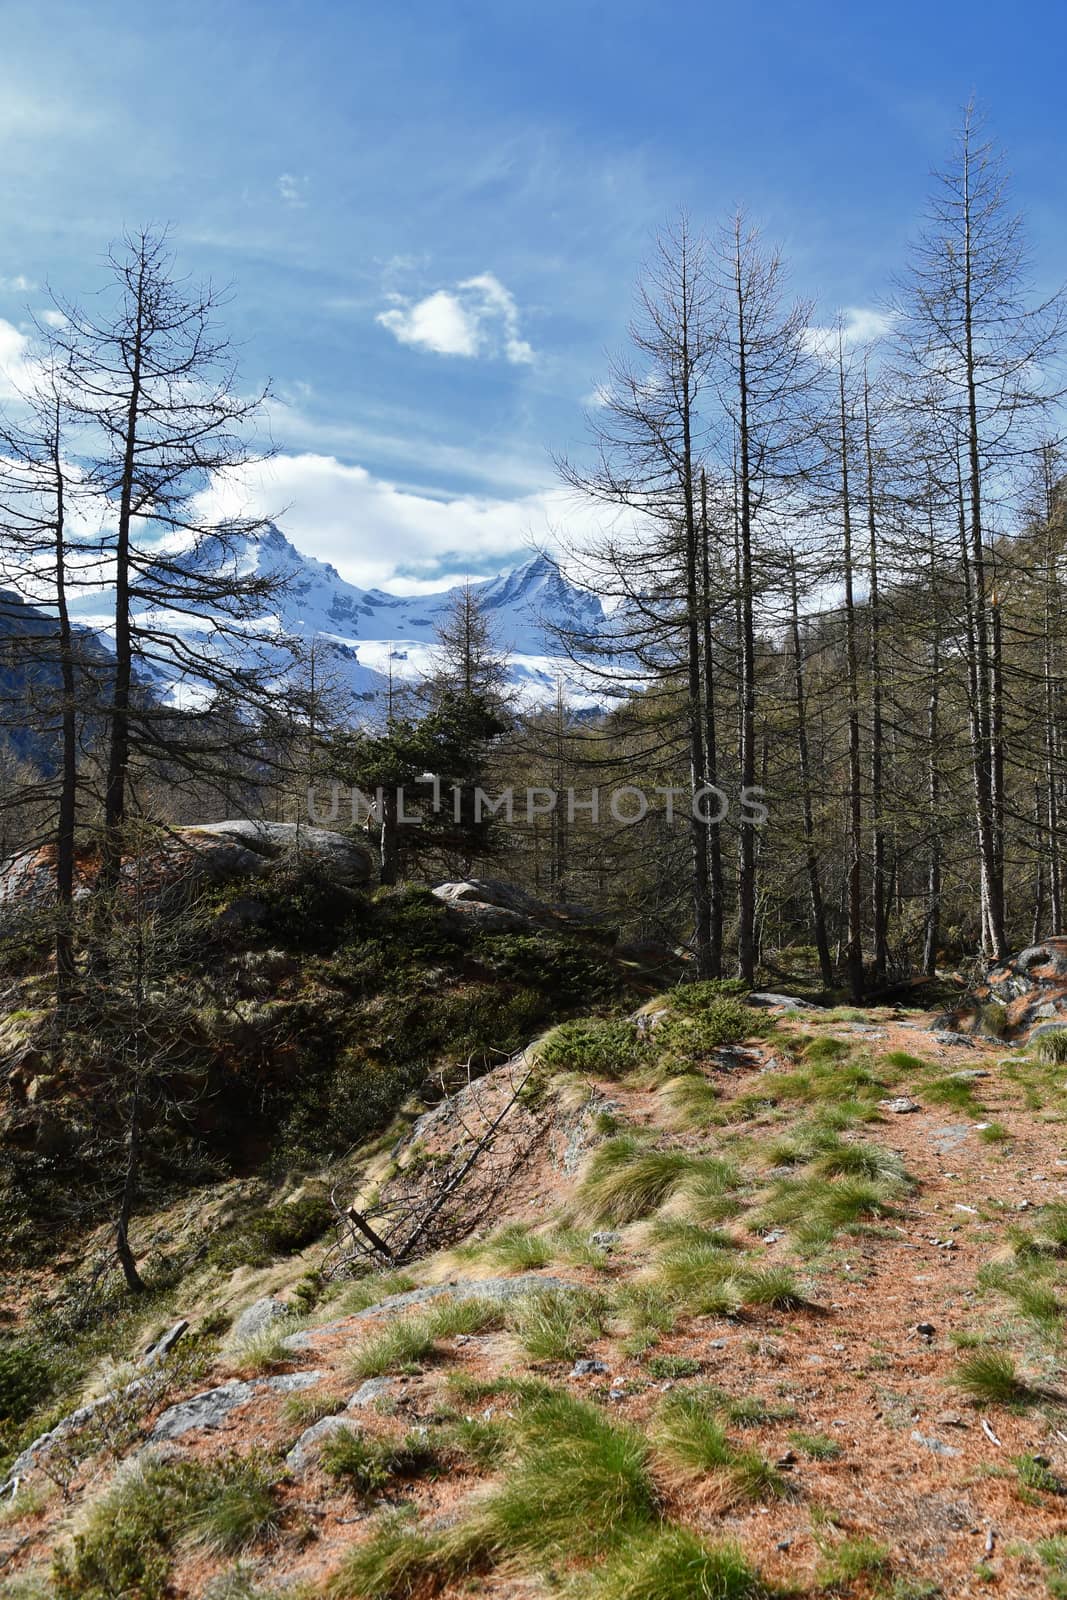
x=900 y=1105
x=784 y=1544
x=605 y=1239
x=587 y=1368
x=937 y=1446
x=949 y=1419
x=927 y=1329
x=787 y=1461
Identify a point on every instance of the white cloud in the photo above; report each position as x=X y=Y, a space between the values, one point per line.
x=19 y=284
x=14 y=360
x=478 y=317
x=859 y=325
x=292 y=191
x=53 y=319
x=370 y=528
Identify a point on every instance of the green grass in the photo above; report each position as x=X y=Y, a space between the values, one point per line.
x=626 y=1180
x=399 y=1563
x=688 y=1103
x=577 y=1484
x=903 y=1061
x=994 y=1133
x=1052 y=1553
x=673 y=1564
x=516 y=1249
x=990 y=1377
x=241 y=1511
x=1034 y=1475
x=688 y=1433
x=303 y=1410
x=816 y=1208
x=1051 y=1048
x=816 y=1446
x=371 y=1291
x=406 y=1344
x=557 y=1325
x=958 y=1093
x=851 y=1561
x=672 y=1367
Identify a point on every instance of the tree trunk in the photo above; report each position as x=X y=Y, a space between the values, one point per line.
x=119 y=742
x=711 y=754
x=878 y=894
x=854 y=948
x=746 y=884
x=818 y=912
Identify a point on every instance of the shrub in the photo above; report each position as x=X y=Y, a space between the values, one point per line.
x=694 y=999
x=26 y=1379
x=368 y=1464
x=694 y=1035
x=593 y=1045
x=278 y=1230
x=125 y=1548
x=562 y=968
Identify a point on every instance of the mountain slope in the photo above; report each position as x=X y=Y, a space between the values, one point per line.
x=368 y=635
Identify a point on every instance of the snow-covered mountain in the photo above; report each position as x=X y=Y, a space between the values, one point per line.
x=364 y=636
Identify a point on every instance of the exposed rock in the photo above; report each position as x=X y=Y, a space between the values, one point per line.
x=164 y=1344
x=309 y=1444
x=214 y=852
x=900 y=1104
x=370 y=1389
x=257 y=1318
x=213 y=1406
x=350 y=863
x=790 y=1002
x=587 y=1368
x=496 y=906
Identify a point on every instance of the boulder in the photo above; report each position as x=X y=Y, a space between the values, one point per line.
x=349 y=862
x=790 y=1002
x=212 y=852
x=257 y=1318
x=501 y=907
x=310 y=1442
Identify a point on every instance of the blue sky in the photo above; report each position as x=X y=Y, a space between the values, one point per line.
x=432 y=214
